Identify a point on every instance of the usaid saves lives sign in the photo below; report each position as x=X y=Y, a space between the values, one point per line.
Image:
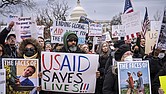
x=72 y=73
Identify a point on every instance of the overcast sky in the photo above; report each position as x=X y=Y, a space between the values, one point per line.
x=106 y=9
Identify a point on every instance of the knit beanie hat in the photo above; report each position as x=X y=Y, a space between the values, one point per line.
x=122 y=49
x=72 y=36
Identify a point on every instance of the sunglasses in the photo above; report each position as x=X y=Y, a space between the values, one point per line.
x=71 y=40
x=30 y=49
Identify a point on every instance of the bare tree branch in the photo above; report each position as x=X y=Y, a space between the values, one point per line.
x=158 y=16
x=13 y=5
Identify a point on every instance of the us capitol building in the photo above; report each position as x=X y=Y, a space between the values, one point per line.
x=79 y=11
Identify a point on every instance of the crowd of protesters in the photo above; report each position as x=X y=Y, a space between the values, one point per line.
x=107 y=75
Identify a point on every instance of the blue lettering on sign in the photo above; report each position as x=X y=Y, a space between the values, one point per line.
x=67 y=63
x=79 y=64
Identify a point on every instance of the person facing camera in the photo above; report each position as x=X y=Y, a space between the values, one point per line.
x=110 y=85
x=70 y=41
x=30 y=49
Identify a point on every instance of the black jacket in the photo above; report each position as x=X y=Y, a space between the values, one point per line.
x=156 y=81
x=110 y=85
x=3 y=35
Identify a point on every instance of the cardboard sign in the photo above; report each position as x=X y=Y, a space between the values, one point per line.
x=71 y=73
x=151 y=38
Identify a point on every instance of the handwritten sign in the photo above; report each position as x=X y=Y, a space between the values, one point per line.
x=151 y=39
x=68 y=72
x=95 y=30
x=131 y=22
x=60 y=27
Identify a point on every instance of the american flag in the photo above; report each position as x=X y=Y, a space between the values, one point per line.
x=146 y=23
x=128 y=7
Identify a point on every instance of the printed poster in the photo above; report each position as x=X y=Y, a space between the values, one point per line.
x=134 y=77
x=21 y=74
x=70 y=73
x=3 y=81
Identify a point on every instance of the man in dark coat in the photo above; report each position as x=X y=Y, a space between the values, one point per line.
x=70 y=41
x=10 y=47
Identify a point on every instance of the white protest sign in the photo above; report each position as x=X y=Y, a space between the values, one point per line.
x=71 y=73
x=3 y=81
x=60 y=27
x=155 y=25
x=131 y=22
x=151 y=38
x=40 y=31
x=95 y=29
x=118 y=31
x=106 y=37
x=25 y=27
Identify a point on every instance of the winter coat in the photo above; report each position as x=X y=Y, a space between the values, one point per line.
x=110 y=85
x=156 y=81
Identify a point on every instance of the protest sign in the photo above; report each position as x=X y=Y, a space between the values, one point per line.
x=134 y=77
x=131 y=22
x=161 y=43
x=3 y=81
x=71 y=73
x=95 y=29
x=25 y=27
x=22 y=74
x=106 y=37
x=163 y=82
x=60 y=27
x=151 y=38
x=40 y=31
x=118 y=31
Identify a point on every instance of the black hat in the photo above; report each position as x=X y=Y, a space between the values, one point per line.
x=11 y=35
x=72 y=36
x=119 y=43
x=122 y=49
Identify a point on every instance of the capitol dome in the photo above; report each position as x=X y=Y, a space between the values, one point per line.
x=77 y=12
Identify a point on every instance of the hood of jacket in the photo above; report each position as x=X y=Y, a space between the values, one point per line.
x=65 y=37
